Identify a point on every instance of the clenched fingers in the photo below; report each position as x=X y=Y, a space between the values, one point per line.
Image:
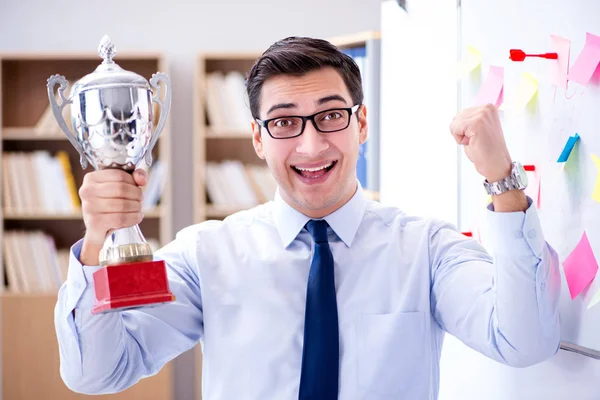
x=111 y=190
x=103 y=206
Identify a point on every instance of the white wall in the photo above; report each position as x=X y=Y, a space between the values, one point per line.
x=180 y=29
x=418 y=101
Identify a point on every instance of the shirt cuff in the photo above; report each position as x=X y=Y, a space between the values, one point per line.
x=79 y=277
x=519 y=233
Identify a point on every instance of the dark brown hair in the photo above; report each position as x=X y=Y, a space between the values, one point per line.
x=298 y=56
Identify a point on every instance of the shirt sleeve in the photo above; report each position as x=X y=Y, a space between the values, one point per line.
x=109 y=352
x=505 y=307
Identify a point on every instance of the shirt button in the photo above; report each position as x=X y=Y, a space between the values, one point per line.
x=531 y=234
x=543 y=286
x=519 y=235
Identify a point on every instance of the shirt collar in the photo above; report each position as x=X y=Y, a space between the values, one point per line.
x=344 y=221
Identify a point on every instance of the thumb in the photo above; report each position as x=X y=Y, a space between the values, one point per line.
x=140 y=177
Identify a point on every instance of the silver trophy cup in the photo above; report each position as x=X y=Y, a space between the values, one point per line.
x=112 y=126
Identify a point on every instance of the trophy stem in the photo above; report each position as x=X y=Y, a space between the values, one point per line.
x=125 y=245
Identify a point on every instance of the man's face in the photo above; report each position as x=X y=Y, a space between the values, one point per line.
x=316 y=172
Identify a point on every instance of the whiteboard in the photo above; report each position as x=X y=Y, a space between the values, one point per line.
x=537 y=136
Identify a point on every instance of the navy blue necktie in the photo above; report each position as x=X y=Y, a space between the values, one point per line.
x=320 y=355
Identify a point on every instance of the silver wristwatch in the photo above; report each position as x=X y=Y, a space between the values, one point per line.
x=516 y=180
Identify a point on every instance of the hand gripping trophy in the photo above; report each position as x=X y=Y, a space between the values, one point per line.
x=113 y=118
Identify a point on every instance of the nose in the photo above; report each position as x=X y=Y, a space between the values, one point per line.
x=311 y=143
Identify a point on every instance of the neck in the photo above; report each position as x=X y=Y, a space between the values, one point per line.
x=323 y=212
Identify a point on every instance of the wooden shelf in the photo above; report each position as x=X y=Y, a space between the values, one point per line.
x=30 y=355
x=30 y=367
x=12 y=133
x=212 y=133
x=28 y=133
x=219 y=212
x=142 y=56
x=231 y=55
x=12 y=215
x=356 y=39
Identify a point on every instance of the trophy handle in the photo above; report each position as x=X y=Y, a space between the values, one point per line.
x=164 y=106
x=57 y=111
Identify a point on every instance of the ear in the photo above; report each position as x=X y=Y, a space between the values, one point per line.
x=257 y=140
x=363 y=131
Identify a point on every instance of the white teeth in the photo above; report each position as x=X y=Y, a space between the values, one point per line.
x=315 y=169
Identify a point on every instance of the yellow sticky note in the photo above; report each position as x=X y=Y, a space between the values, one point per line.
x=596 y=194
x=523 y=94
x=469 y=62
x=595 y=300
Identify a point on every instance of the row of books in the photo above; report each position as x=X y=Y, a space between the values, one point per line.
x=33 y=264
x=227 y=104
x=38 y=182
x=230 y=183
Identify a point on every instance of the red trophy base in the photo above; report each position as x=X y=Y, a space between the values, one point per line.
x=130 y=285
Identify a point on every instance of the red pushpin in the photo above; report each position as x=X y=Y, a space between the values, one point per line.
x=519 y=55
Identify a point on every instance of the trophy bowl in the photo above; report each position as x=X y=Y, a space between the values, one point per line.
x=112 y=121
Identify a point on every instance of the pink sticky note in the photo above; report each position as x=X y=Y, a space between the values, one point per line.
x=587 y=61
x=491 y=91
x=595 y=79
x=580 y=267
x=559 y=68
x=533 y=188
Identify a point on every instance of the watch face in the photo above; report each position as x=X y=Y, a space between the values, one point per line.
x=521 y=175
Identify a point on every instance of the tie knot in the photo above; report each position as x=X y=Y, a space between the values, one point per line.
x=318 y=230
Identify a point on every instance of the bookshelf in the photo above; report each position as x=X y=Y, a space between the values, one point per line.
x=219 y=142
x=226 y=140
x=365 y=48
x=30 y=361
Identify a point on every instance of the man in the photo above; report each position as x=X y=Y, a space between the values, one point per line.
x=319 y=294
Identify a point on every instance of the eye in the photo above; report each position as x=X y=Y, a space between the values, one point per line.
x=283 y=123
x=332 y=115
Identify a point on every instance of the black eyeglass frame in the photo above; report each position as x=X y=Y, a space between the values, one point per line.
x=349 y=110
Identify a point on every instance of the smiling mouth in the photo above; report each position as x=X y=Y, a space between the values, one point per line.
x=315 y=172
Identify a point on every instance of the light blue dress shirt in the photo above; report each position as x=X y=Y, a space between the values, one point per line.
x=401 y=281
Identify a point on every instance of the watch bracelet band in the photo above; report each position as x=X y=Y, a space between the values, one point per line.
x=501 y=186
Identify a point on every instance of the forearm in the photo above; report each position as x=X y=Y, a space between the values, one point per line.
x=90 y=250
x=97 y=354
x=94 y=349
x=527 y=286
x=525 y=308
x=511 y=201
x=107 y=353
x=505 y=306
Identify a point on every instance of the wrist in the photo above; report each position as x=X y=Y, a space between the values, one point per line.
x=501 y=173
x=510 y=201
x=90 y=249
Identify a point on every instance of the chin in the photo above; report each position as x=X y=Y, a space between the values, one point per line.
x=317 y=200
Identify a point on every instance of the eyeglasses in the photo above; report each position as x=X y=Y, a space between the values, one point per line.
x=332 y=120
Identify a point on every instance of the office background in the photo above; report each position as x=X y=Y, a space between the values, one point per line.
x=180 y=30
x=416 y=56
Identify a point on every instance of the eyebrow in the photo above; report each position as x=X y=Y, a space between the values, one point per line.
x=333 y=97
x=321 y=101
